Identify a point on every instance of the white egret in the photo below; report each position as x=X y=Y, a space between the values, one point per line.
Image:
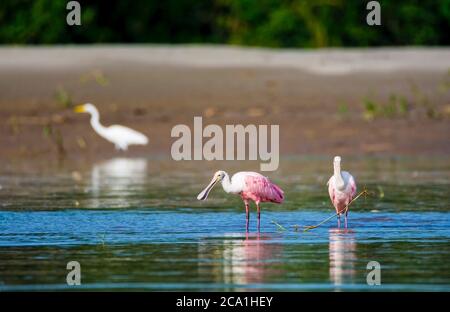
x=119 y=135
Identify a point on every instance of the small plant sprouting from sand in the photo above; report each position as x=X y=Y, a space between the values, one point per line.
x=63 y=98
x=96 y=75
x=370 y=109
x=396 y=107
x=14 y=123
x=380 y=192
x=343 y=109
x=402 y=106
x=423 y=101
x=81 y=142
x=55 y=136
x=444 y=86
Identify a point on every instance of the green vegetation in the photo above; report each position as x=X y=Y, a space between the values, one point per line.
x=63 y=98
x=54 y=135
x=416 y=103
x=343 y=109
x=396 y=106
x=273 y=23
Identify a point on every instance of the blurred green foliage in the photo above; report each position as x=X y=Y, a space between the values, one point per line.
x=273 y=23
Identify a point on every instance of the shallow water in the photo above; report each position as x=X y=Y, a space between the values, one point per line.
x=135 y=224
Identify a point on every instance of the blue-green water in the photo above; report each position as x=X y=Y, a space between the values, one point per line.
x=135 y=225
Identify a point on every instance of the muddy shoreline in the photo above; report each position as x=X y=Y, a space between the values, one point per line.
x=319 y=100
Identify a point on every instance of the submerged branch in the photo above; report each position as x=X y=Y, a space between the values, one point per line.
x=307 y=228
x=280 y=227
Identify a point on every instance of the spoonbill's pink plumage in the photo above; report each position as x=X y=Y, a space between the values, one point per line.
x=342 y=189
x=250 y=186
x=259 y=189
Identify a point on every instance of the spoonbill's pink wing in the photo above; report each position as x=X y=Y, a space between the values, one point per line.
x=340 y=199
x=352 y=184
x=260 y=189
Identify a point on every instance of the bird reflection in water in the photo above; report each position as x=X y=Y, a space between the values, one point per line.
x=115 y=180
x=252 y=260
x=342 y=249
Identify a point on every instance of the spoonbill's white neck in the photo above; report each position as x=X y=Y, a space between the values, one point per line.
x=95 y=122
x=226 y=183
x=340 y=184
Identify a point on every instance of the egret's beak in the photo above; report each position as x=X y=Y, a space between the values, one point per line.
x=204 y=194
x=79 y=109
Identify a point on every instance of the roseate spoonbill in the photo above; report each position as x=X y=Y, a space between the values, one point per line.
x=342 y=189
x=119 y=135
x=250 y=186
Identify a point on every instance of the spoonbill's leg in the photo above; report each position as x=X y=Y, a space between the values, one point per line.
x=259 y=215
x=247 y=214
x=346 y=219
x=339 y=221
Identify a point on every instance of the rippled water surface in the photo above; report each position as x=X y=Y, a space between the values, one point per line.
x=135 y=224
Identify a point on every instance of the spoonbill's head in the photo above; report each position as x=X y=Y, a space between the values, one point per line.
x=337 y=159
x=85 y=108
x=218 y=176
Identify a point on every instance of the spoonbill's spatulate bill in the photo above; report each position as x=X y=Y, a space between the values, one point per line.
x=250 y=186
x=342 y=189
x=119 y=135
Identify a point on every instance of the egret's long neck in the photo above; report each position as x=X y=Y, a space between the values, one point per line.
x=95 y=123
x=340 y=184
x=226 y=184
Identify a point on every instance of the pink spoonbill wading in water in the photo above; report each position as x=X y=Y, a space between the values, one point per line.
x=342 y=189
x=250 y=186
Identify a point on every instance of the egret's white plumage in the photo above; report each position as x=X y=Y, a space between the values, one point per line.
x=119 y=135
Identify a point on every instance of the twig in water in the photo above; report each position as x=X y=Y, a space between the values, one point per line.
x=280 y=227
x=307 y=228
